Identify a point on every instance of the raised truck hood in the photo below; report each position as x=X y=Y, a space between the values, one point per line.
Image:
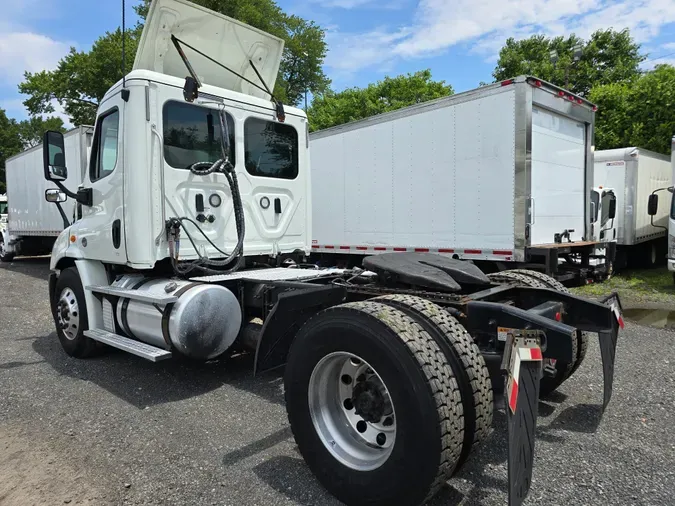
x=222 y=38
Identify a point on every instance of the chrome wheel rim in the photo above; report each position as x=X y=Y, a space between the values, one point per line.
x=2 y=247
x=352 y=411
x=68 y=314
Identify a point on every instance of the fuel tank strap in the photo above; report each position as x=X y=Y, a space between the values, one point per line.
x=167 y=313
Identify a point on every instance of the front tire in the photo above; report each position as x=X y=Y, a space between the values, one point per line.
x=4 y=255
x=372 y=359
x=70 y=315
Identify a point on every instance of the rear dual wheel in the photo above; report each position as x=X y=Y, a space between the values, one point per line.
x=536 y=279
x=375 y=406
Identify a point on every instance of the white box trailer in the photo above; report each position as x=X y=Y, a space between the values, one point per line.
x=33 y=224
x=498 y=174
x=634 y=173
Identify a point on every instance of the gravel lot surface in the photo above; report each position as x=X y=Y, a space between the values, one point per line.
x=120 y=430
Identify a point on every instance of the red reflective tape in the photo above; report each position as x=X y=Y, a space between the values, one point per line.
x=535 y=354
x=344 y=247
x=422 y=250
x=315 y=246
x=400 y=249
x=472 y=251
x=621 y=323
x=502 y=252
x=362 y=248
x=446 y=250
x=329 y=247
x=380 y=248
x=513 y=398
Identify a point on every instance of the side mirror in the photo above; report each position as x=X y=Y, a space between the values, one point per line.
x=653 y=204
x=54 y=195
x=612 y=209
x=671 y=189
x=53 y=156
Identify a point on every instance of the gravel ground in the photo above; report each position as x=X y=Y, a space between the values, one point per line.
x=120 y=430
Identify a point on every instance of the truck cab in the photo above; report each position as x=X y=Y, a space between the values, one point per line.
x=603 y=214
x=148 y=137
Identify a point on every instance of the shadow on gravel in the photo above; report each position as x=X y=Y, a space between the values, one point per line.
x=142 y=383
x=291 y=477
x=13 y=365
x=36 y=267
x=584 y=418
x=235 y=456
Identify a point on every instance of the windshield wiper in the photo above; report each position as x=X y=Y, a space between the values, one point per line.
x=191 y=89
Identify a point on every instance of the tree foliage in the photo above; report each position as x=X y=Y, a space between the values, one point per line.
x=331 y=109
x=16 y=136
x=82 y=77
x=607 y=57
x=32 y=130
x=639 y=112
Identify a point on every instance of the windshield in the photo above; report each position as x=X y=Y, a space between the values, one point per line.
x=3 y=207
x=595 y=201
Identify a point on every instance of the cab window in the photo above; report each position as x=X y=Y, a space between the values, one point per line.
x=271 y=149
x=192 y=134
x=104 y=151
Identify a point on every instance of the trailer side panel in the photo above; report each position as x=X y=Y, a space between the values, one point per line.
x=440 y=178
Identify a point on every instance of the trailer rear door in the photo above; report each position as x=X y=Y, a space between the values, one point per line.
x=558 y=176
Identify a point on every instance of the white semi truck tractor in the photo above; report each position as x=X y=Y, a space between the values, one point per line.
x=195 y=226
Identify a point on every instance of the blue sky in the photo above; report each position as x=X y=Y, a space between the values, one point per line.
x=367 y=39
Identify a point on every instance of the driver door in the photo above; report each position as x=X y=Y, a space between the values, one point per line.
x=100 y=232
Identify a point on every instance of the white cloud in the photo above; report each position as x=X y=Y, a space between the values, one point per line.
x=23 y=49
x=485 y=24
x=27 y=51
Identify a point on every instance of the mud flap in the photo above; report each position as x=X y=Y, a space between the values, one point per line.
x=608 y=341
x=522 y=365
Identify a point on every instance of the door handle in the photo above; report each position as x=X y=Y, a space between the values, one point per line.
x=277 y=206
x=116 y=233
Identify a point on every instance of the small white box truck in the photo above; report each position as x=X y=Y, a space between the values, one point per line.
x=33 y=224
x=633 y=174
x=500 y=175
x=196 y=224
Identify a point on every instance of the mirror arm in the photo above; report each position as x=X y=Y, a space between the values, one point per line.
x=66 y=223
x=83 y=195
x=65 y=190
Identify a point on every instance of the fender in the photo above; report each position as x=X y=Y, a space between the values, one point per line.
x=63 y=249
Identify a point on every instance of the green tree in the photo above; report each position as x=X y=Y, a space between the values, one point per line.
x=639 y=112
x=607 y=57
x=32 y=130
x=331 y=108
x=81 y=78
x=10 y=144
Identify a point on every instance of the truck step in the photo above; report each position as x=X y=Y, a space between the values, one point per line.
x=150 y=298
x=137 y=348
